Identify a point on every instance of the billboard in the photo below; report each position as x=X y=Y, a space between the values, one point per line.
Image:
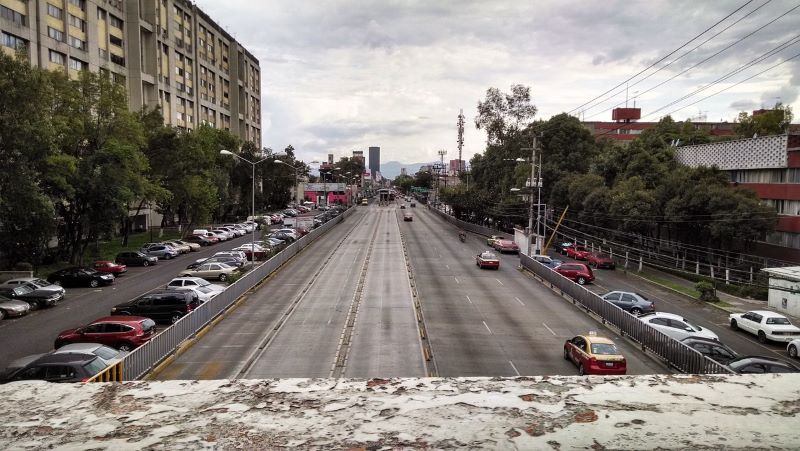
x=325 y=187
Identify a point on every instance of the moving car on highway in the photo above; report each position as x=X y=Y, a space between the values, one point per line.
x=487 y=259
x=594 y=355
x=80 y=277
x=408 y=217
x=490 y=241
x=504 y=246
x=631 y=302
x=123 y=332
x=766 y=325
x=675 y=326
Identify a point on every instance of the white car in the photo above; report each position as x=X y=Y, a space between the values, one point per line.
x=793 y=347
x=765 y=325
x=291 y=232
x=107 y=354
x=223 y=234
x=231 y=253
x=180 y=282
x=218 y=271
x=675 y=326
x=204 y=294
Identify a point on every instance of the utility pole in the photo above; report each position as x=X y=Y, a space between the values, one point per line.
x=535 y=181
x=442 y=153
x=460 y=141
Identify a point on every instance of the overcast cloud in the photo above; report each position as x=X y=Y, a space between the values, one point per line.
x=340 y=76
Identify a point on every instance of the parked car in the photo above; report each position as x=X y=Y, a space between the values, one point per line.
x=260 y=252
x=12 y=308
x=283 y=236
x=120 y=331
x=504 y=246
x=754 y=364
x=289 y=231
x=161 y=251
x=110 y=267
x=231 y=261
x=793 y=347
x=578 y=252
x=217 y=271
x=547 y=260
x=135 y=258
x=181 y=248
x=203 y=294
x=107 y=354
x=487 y=260
x=577 y=272
x=212 y=237
x=41 y=287
x=712 y=349
x=53 y=367
x=403 y=206
x=223 y=235
x=80 y=277
x=408 y=217
x=562 y=247
x=412 y=205
x=161 y=305
x=35 y=298
x=301 y=231
x=595 y=355
x=199 y=240
x=631 y=302
x=675 y=326
x=490 y=241
x=766 y=325
x=193 y=247
x=601 y=261
x=180 y=282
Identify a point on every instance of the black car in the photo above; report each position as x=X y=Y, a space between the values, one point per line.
x=80 y=277
x=55 y=367
x=135 y=258
x=712 y=349
x=282 y=236
x=753 y=364
x=232 y=261
x=201 y=240
x=36 y=298
x=162 y=305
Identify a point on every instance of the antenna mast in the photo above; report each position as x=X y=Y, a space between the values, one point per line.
x=460 y=140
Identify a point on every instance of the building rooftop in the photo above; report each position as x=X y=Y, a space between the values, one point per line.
x=627 y=412
x=791 y=273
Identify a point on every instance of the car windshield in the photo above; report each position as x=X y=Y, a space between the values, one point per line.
x=604 y=349
x=778 y=321
x=94 y=366
x=40 y=283
x=106 y=353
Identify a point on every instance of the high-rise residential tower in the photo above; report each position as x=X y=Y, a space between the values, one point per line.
x=374 y=160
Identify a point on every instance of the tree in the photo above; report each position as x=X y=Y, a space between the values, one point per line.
x=504 y=115
x=770 y=122
x=403 y=182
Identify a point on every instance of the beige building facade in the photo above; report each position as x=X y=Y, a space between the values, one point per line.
x=168 y=53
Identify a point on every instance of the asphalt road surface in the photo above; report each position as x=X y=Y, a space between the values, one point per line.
x=344 y=307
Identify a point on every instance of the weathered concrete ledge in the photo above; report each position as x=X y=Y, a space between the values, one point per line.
x=644 y=412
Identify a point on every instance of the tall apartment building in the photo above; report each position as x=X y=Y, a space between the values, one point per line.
x=374 y=161
x=168 y=53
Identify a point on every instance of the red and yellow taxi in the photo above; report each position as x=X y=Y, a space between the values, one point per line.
x=487 y=260
x=594 y=355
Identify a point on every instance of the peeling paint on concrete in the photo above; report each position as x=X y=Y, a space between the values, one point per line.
x=642 y=412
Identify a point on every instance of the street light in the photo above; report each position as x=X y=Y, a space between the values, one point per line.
x=253 y=198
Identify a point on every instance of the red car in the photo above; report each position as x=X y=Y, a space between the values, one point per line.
x=601 y=261
x=122 y=332
x=578 y=252
x=506 y=246
x=577 y=272
x=109 y=267
x=211 y=237
x=487 y=260
x=301 y=231
x=595 y=355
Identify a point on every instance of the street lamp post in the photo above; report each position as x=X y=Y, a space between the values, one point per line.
x=253 y=200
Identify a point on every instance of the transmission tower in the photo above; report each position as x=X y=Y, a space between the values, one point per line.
x=460 y=140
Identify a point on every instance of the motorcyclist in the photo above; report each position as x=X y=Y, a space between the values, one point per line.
x=462 y=235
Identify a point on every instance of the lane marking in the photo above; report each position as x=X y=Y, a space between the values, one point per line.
x=470 y=300
x=514 y=367
x=498 y=281
x=447 y=266
x=487 y=327
x=456 y=279
x=520 y=301
x=548 y=328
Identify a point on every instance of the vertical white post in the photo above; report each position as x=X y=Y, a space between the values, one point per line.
x=640 y=263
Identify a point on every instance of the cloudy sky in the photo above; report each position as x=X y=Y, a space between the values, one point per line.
x=343 y=75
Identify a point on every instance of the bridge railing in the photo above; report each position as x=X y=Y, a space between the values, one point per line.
x=673 y=352
x=145 y=358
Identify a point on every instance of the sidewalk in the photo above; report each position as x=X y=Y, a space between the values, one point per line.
x=729 y=302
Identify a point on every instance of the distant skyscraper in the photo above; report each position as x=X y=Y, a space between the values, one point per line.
x=330 y=158
x=457 y=167
x=374 y=160
x=403 y=171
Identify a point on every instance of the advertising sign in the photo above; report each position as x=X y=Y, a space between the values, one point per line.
x=325 y=187
x=306 y=222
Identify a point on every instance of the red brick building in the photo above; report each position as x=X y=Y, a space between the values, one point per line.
x=625 y=126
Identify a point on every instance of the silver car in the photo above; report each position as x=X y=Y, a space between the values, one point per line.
x=12 y=308
x=161 y=251
x=40 y=286
x=107 y=354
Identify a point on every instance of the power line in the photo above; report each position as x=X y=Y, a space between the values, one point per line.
x=664 y=57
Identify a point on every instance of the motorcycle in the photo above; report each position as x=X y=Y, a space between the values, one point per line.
x=462 y=236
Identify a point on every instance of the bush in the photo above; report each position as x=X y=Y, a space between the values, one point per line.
x=707 y=291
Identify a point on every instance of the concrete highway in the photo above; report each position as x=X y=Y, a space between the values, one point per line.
x=344 y=307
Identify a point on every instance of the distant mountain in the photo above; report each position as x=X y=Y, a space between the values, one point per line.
x=391 y=169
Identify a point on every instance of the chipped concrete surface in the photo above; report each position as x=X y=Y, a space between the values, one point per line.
x=627 y=412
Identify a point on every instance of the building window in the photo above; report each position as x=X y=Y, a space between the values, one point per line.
x=77 y=43
x=117 y=60
x=55 y=34
x=101 y=14
x=115 y=41
x=115 y=21
x=77 y=64
x=179 y=115
x=79 y=3
x=77 y=22
x=12 y=42
x=57 y=58
x=55 y=11
x=103 y=53
x=11 y=15
x=179 y=71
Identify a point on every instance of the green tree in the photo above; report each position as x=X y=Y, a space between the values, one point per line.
x=503 y=115
x=403 y=182
x=771 y=122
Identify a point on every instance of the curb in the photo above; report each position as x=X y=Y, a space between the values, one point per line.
x=710 y=304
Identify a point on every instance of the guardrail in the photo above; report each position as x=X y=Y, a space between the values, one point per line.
x=144 y=358
x=676 y=354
